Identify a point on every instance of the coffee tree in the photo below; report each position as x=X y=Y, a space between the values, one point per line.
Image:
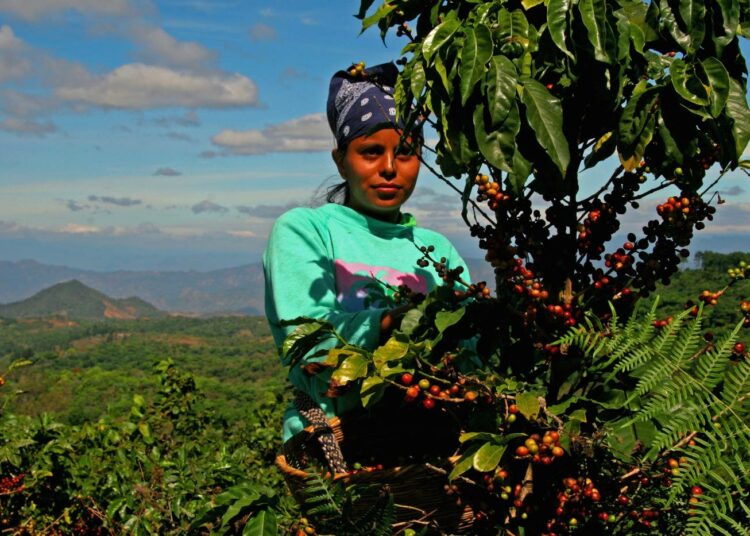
x=554 y=119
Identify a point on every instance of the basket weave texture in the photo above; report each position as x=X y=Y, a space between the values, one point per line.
x=416 y=451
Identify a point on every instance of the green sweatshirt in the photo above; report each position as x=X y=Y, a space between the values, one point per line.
x=325 y=263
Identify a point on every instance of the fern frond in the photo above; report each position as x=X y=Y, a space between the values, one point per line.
x=319 y=500
x=668 y=361
x=654 y=347
x=736 y=391
x=684 y=387
x=379 y=518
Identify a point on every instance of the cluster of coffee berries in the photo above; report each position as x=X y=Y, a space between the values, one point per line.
x=662 y=323
x=745 y=309
x=476 y=290
x=357 y=467
x=429 y=392
x=739 y=271
x=596 y=229
x=449 y=275
x=576 y=503
x=491 y=192
x=672 y=468
x=686 y=210
x=404 y=294
x=526 y=282
x=707 y=297
x=403 y=29
x=646 y=517
x=12 y=484
x=358 y=70
x=695 y=493
x=620 y=260
x=303 y=527
x=2 y=381
x=542 y=450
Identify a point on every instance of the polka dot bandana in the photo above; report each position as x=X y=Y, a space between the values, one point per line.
x=362 y=103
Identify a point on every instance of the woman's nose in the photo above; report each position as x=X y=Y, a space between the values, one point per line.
x=388 y=170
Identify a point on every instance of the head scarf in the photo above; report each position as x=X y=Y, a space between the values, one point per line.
x=361 y=103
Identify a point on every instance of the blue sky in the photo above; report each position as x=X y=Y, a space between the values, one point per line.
x=167 y=134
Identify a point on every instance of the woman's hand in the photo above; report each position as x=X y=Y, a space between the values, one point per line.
x=392 y=320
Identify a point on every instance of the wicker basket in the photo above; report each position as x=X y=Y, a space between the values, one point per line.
x=417 y=485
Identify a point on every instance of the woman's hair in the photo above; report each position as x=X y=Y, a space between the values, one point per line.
x=339 y=192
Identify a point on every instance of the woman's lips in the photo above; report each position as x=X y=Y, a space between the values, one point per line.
x=387 y=187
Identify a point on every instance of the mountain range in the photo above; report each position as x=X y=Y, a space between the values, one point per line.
x=73 y=299
x=237 y=290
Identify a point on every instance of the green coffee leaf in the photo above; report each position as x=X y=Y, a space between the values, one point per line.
x=392 y=350
x=737 y=109
x=464 y=463
x=687 y=84
x=557 y=22
x=417 y=79
x=693 y=14
x=439 y=36
x=488 y=456
x=500 y=88
x=446 y=319
x=598 y=30
x=352 y=368
x=261 y=524
x=382 y=12
x=512 y=25
x=410 y=321
x=476 y=52
x=718 y=84
x=497 y=144
x=544 y=114
x=372 y=390
x=528 y=404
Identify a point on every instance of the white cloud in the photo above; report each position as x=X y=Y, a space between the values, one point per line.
x=25 y=127
x=118 y=201
x=167 y=172
x=309 y=133
x=20 y=104
x=208 y=206
x=138 y=86
x=262 y=32
x=266 y=211
x=11 y=227
x=189 y=119
x=242 y=234
x=34 y=10
x=75 y=228
x=178 y=136
x=13 y=63
x=160 y=47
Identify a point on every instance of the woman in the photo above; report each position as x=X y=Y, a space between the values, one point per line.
x=340 y=262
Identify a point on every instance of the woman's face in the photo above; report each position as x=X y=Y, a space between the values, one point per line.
x=381 y=174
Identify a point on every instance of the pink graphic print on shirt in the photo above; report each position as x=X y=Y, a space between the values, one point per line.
x=355 y=280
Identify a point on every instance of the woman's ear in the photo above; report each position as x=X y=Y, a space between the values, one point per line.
x=338 y=159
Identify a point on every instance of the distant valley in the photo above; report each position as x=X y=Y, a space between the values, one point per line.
x=237 y=290
x=230 y=291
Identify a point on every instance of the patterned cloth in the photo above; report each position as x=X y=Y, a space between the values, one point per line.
x=358 y=105
x=317 y=417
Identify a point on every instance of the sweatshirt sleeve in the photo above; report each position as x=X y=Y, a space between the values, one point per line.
x=300 y=281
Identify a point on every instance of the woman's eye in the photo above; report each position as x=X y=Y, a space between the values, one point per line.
x=372 y=151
